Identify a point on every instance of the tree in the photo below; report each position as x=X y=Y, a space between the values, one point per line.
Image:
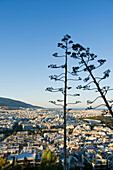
x=85 y=58
x=48 y=159
x=26 y=164
x=66 y=46
x=3 y=162
x=17 y=166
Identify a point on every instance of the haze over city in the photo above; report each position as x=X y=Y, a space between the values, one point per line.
x=29 y=33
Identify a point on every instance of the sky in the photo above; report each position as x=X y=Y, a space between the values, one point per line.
x=29 y=33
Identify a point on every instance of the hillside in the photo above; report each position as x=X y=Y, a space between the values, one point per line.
x=10 y=103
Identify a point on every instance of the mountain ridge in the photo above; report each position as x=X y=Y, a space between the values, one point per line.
x=16 y=103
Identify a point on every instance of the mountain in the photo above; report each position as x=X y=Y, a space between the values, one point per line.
x=10 y=103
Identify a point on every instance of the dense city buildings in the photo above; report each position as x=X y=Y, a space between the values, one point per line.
x=28 y=132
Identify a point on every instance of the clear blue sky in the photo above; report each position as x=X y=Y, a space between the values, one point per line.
x=29 y=33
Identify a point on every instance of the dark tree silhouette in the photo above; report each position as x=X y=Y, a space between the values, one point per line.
x=66 y=45
x=85 y=58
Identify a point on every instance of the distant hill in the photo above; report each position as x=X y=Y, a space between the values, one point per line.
x=10 y=103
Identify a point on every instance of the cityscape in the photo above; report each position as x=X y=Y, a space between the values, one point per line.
x=31 y=131
x=56 y=90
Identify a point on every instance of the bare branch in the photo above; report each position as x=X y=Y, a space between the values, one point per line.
x=73 y=95
x=86 y=87
x=69 y=110
x=79 y=78
x=56 y=55
x=89 y=83
x=90 y=102
x=110 y=89
x=55 y=77
x=110 y=101
x=95 y=106
x=72 y=73
x=59 y=100
x=55 y=66
x=53 y=102
x=51 y=89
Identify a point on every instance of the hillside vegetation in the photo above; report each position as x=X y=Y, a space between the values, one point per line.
x=15 y=103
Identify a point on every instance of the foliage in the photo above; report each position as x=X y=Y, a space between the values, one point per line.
x=48 y=160
x=70 y=131
x=6 y=132
x=104 y=120
x=3 y=162
x=17 y=166
x=93 y=161
x=26 y=164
